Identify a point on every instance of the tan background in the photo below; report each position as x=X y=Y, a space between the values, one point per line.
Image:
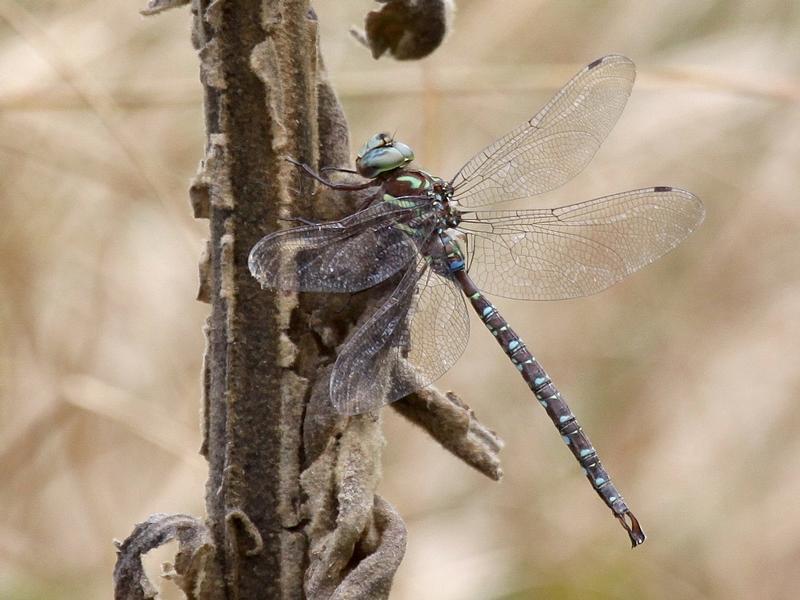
x=686 y=375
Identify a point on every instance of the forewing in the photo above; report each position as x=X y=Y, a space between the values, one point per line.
x=556 y=144
x=350 y=255
x=580 y=249
x=409 y=342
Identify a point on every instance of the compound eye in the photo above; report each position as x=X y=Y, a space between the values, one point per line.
x=380 y=160
x=406 y=151
x=379 y=140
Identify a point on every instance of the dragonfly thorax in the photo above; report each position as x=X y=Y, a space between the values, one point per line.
x=443 y=195
x=429 y=196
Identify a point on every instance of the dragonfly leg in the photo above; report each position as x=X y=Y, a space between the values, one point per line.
x=338 y=170
x=302 y=220
x=336 y=186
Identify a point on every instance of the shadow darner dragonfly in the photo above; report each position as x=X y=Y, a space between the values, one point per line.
x=429 y=231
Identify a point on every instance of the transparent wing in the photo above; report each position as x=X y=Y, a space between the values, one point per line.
x=556 y=144
x=576 y=250
x=350 y=255
x=409 y=342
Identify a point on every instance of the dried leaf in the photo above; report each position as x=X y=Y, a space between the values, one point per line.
x=453 y=424
x=408 y=29
x=191 y=562
x=156 y=6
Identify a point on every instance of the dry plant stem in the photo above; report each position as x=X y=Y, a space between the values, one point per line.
x=291 y=505
x=259 y=68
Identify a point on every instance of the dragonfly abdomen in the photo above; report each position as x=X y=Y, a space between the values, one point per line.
x=554 y=404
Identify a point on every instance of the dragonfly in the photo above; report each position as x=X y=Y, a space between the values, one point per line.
x=445 y=249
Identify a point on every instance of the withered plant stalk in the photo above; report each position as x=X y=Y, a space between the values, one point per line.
x=290 y=498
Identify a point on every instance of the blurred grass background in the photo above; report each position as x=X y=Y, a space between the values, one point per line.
x=686 y=375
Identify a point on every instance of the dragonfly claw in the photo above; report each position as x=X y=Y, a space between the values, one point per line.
x=292 y=160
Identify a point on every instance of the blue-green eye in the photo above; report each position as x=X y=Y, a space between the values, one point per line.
x=380 y=160
x=406 y=151
x=381 y=154
x=378 y=140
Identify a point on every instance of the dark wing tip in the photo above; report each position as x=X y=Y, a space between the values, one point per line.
x=692 y=200
x=607 y=59
x=595 y=63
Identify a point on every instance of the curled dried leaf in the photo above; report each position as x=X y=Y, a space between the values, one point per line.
x=156 y=6
x=193 y=559
x=453 y=424
x=372 y=576
x=408 y=29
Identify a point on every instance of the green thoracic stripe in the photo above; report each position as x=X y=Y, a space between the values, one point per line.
x=405 y=228
x=401 y=202
x=414 y=181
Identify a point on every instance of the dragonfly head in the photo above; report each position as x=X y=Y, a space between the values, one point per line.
x=381 y=154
